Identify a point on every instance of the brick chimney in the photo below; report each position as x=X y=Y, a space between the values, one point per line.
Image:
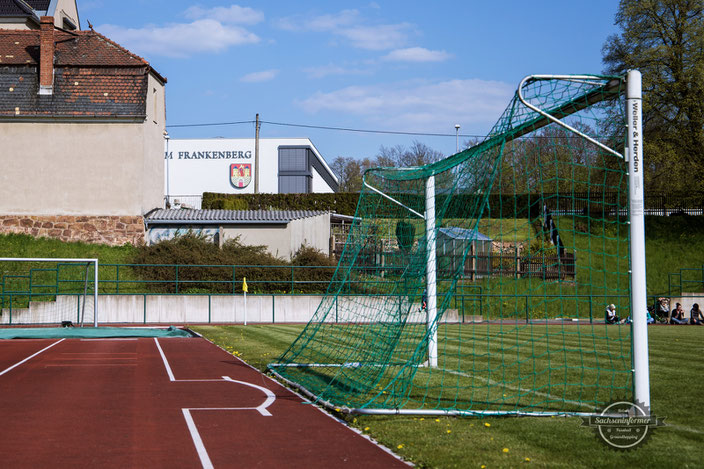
x=46 y=56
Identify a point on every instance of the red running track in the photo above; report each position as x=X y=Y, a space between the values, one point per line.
x=160 y=403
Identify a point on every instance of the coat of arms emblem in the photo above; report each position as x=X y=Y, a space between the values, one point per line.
x=240 y=175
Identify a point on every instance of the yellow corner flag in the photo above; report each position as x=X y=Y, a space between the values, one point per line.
x=244 y=284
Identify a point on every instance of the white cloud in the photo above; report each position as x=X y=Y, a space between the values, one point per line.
x=417 y=106
x=381 y=37
x=234 y=14
x=258 y=77
x=417 y=54
x=179 y=39
x=331 y=70
x=353 y=28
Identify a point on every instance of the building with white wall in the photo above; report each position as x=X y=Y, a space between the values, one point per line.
x=283 y=232
x=228 y=166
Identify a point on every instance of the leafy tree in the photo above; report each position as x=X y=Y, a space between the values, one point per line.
x=349 y=173
x=664 y=39
x=350 y=170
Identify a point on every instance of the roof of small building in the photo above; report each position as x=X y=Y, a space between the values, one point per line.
x=93 y=77
x=456 y=232
x=181 y=216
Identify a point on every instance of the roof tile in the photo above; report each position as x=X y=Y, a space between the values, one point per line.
x=228 y=216
x=93 y=76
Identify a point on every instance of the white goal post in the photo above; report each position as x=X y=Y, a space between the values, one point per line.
x=41 y=290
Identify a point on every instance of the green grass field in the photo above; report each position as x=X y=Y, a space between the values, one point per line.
x=676 y=394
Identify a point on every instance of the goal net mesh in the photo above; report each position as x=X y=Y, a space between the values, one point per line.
x=47 y=292
x=531 y=242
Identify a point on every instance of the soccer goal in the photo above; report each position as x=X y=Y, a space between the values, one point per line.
x=46 y=291
x=477 y=285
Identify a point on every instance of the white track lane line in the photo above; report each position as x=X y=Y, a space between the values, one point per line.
x=270 y=397
x=30 y=357
x=192 y=428
x=197 y=441
x=166 y=362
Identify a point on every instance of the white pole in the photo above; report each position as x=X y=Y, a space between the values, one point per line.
x=457 y=138
x=431 y=280
x=95 y=295
x=166 y=137
x=245 y=308
x=634 y=110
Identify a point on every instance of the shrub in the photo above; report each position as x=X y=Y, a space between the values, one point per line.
x=193 y=264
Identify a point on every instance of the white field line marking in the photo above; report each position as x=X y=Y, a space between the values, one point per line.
x=270 y=397
x=97 y=358
x=30 y=357
x=306 y=400
x=197 y=441
x=108 y=338
x=519 y=389
x=92 y=364
x=166 y=363
x=195 y=435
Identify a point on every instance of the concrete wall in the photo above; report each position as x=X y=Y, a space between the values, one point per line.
x=312 y=231
x=284 y=240
x=17 y=23
x=152 y=171
x=65 y=9
x=79 y=169
x=192 y=309
x=687 y=300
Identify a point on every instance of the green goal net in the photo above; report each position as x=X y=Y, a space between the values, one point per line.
x=477 y=285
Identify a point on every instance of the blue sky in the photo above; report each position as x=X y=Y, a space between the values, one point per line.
x=409 y=66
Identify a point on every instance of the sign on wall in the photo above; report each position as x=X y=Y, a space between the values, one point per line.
x=240 y=175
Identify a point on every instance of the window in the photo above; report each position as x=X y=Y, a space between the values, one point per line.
x=295 y=174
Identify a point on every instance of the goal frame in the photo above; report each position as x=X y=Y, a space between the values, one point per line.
x=86 y=261
x=632 y=154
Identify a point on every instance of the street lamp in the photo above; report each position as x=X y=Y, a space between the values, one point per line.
x=457 y=138
x=167 y=204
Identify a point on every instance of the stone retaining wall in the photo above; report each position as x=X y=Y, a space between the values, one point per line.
x=111 y=230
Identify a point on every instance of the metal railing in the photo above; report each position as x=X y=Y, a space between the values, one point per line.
x=687 y=279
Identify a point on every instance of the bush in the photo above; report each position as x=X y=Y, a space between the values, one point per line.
x=344 y=203
x=193 y=264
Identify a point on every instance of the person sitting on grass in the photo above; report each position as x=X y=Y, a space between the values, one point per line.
x=611 y=317
x=648 y=318
x=678 y=315
x=662 y=310
x=695 y=315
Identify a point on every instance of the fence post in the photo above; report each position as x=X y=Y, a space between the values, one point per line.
x=144 y=307
x=176 y=278
x=591 y=318
x=209 y=308
x=273 y=309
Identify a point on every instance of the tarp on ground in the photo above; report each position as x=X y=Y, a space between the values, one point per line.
x=90 y=332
